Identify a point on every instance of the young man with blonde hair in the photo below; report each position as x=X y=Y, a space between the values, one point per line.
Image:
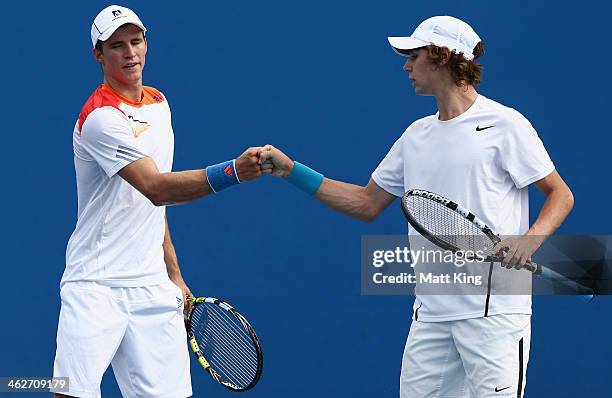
x=483 y=155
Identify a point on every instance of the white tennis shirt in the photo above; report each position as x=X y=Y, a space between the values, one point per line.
x=119 y=232
x=483 y=159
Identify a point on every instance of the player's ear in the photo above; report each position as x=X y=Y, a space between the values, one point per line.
x=445 y=56
x=97 y=55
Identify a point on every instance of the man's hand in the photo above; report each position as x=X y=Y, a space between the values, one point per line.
x=178 y=281
x=518 y=250
x=248 y=165
x=275 y=162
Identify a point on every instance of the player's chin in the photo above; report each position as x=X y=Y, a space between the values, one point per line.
x=420 y=91
x=133 y=74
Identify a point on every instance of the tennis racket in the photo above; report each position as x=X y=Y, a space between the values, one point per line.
x=451 y=227
x=224 y=343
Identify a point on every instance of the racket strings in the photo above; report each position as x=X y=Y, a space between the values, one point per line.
x=236 y=343
x=230 y=354
x=226 y=344
x=447 y=225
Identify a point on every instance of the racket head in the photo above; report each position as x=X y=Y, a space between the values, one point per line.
x=224 y=343
x=446 y=224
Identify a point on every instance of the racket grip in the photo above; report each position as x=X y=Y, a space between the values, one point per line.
x=533 y=267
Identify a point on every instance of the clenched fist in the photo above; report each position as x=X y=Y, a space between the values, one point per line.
x=275 y=162
x=248 y=165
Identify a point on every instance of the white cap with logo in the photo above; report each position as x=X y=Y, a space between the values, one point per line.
x=442 y=31
x=111 y=18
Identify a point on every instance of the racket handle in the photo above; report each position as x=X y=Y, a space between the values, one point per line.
x=541 y=271
x=585 y=292
x=536 y=268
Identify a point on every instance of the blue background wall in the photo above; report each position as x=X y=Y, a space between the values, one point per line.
x=318 y=80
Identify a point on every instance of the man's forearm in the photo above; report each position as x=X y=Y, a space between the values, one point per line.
x=180 y=187
x=171 y=261
x=346 y=198
x=364 y=203
x=172 y=265
x=184 y=186
x=558 y=204
x=165 y=188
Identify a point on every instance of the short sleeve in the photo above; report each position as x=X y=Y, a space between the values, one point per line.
x=524 y=156
x=107 y=136
x=389 y=175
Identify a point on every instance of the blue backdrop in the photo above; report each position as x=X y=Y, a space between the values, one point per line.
x=318 y=80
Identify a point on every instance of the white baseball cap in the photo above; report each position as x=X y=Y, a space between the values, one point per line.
x=442 y=31
x=111 y=18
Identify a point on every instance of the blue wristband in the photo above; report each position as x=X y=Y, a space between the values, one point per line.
x=222 y=175
x=305 y=178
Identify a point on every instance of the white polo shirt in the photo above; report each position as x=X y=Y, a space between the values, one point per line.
x=119 y=233
x=483 y=159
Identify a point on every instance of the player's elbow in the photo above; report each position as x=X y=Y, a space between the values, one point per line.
x=569 y=200
x=368 y=209
x=156 y=193
x=158 y=200
x=155 y=197
x=367 y=218
x=368 y=214
x=564 y=197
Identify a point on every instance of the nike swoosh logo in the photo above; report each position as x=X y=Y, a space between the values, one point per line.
x=500 y=389
x=478 y=128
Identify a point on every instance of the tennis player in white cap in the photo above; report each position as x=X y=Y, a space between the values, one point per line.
x=483 y=155
x=122 y=293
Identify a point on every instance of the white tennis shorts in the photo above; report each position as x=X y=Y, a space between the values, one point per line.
x=480 y=357
x=140 y=330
